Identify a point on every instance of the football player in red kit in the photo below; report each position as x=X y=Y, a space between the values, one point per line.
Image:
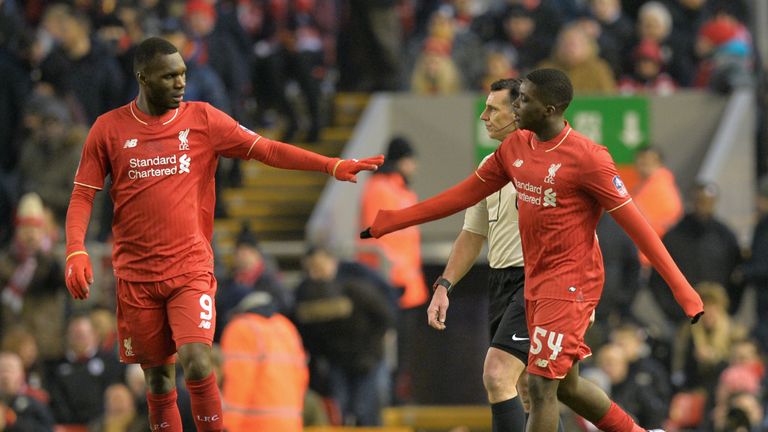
x=564 y=182
x=161 y=153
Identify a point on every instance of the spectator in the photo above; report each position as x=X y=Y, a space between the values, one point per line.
x=288 y=46
x=704 y=248
x=264 y=373
x=654 y=23
x=219 y=50
x=252 y=272
x=435 y=73
x=647 y=74
x=755 y=270
x=447 y=35
x=79 y=55
x=724 y=46
x=633 y=391
x=643 y=367
x=203 y=83
x=388 y=188
x=370 y=47
x=701 y=352
x=497 y=66
x=20 y=341
x=18 y=411
x=120 y=413
x=52 y=137
x=616 y=31
x=356 y=317
x=78 y=381
x=31 y=279
x=622 y=276
x=656 y=193
x=737 y=407
x=575 y=53
x=520 y=39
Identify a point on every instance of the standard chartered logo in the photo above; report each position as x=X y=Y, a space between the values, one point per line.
x=550 y=198
x=184 y=162
x=158 y=166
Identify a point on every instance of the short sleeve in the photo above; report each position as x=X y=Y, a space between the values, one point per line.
x=94 y=161
x=602 y=181
x=228 y=137
x=476 y=219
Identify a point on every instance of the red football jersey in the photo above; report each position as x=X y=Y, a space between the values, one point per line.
x=162 y=172
x=563 y=186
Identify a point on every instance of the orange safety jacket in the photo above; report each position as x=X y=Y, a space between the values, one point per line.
x=265 y=374
x=402 y=248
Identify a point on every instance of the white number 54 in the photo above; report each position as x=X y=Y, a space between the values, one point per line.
x=554 y=342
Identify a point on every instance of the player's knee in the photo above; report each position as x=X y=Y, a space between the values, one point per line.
x=159 y=380
x=195 y=359
x=541 y=390
x=497 y=379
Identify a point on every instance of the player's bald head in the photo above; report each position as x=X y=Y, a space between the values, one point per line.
x=148 y=50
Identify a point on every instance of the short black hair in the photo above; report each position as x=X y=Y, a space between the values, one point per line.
x=148 y=49
x=511 y=84
x=553 y=87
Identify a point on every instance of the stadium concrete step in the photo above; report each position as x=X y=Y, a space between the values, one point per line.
x=347 y=108
x=277 y=203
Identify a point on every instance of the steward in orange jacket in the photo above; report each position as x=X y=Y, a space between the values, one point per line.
x=265 y=369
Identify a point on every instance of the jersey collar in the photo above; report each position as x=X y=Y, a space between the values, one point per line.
x=553 y=143
x=148 y=120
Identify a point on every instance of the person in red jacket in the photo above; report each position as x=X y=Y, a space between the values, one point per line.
x=161 y=154
x=564 y=181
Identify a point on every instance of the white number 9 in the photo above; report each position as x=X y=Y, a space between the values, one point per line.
x=206 y=302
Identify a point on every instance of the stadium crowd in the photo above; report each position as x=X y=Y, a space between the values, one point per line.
x=274 y=65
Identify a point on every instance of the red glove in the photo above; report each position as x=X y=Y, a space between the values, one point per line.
x=78 y=274
x=345 y=169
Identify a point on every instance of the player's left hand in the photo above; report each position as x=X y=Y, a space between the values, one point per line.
x=78 y=275
x=345 y=169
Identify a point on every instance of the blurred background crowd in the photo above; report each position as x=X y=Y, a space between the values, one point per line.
x=275 y=66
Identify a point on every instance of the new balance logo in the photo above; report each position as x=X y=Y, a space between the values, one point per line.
x=131 y=143
x=183 y=142
x=518 y=163
x=184 y=162
x=550 y=198
x=205 y=324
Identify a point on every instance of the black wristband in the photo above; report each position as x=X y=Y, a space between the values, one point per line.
x=443 y=282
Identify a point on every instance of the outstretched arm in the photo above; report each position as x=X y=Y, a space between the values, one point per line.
x=468 y=192
x=282 y=155
x=633 y=222
x=78 y=273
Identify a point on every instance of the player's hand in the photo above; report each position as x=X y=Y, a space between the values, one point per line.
x=696 y=317
x=345 y=169
x=78 y=274
x=438 y=308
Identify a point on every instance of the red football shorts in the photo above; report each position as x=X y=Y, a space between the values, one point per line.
x=556 y=329
x=155 y=318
